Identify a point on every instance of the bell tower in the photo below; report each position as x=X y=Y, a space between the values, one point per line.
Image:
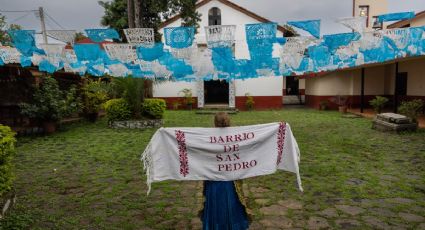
x=369 y=9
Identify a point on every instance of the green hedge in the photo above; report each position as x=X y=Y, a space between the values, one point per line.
x=117 y=110
x=7 y=152
x=154 y=108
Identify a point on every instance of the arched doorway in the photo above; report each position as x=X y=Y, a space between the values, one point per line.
x=214 y=16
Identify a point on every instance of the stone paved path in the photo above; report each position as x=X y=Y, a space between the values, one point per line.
x=339 y=213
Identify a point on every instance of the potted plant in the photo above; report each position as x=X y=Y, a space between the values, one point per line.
x=378 y=103
x=94 y=95
x=50 y=104
x=176 y=105
x=187 y=100
x=323 y=105
x=341 y=101
x=249 y=103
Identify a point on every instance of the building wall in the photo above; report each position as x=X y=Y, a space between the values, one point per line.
x=374 y=81
x=376 y=7
x=172 y=89
x=267 y=91
x=415 y=76
x=336 y=83
x=265 y=86
x=379 y=80
x=418 y=21
x=229 y=16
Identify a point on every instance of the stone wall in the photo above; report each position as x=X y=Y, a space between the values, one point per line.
x=137 y=124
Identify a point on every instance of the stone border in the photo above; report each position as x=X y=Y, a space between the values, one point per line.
x=136 y=124
x=7 y=201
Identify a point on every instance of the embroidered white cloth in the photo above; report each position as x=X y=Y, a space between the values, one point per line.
x=221 y=154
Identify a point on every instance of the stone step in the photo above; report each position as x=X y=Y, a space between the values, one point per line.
x=217 y=110
x=393 y=127
x=393 y=118
x=217 y=106
x=293 y=99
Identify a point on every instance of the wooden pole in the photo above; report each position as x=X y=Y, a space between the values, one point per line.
x=130 y=13
x=362 y=92
x=396 y=88
x=137 y=13
x=43 y=24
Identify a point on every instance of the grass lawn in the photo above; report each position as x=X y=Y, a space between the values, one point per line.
x=90 y=177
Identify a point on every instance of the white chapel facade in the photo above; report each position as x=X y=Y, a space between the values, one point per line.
x=267 y=91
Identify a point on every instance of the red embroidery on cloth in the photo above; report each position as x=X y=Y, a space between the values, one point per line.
x=280 y=141
x=181 y=143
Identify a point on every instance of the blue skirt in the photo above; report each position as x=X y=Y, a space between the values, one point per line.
x=222 y=208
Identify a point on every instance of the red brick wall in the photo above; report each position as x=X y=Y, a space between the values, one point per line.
x=171 y=100
x=313 y=101
x=261 y=102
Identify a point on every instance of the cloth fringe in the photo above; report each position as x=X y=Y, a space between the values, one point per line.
x=146 y=158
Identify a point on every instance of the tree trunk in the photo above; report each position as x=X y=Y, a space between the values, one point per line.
x=137 y=13
x=130 y=13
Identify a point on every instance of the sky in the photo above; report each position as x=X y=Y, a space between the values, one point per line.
x=84 y=14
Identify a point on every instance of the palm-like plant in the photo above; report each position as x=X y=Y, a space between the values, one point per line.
x=132 y=90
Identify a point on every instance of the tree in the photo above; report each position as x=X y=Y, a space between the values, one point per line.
x=120 y=14
x=115 y=14
x=187 y=9
x=4 y=37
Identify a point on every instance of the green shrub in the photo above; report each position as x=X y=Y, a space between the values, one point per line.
x=378 y=103
x=117 y=110
x=132 y=90
x=49 y=103
x=154 y=108
x=95 y=93
x=411 y=109
x=7 y=151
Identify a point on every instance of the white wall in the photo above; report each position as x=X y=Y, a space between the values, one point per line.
x=348 y=82
x=336 y=83
x=379 y=80
x=229 y=16
x=269 y=86
x=415 y=76
x=374 y=81
x=265 y=86
x=301 y=84
x=172 y=89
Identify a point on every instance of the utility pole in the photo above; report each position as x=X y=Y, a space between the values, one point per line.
x=130 y=13
x=137 y=11
x=43 y=25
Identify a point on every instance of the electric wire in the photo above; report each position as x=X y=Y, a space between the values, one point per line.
x=19 y=18
x=17 y=11
x=51 y=18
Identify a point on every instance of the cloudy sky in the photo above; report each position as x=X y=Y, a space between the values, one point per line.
x=81 y=14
